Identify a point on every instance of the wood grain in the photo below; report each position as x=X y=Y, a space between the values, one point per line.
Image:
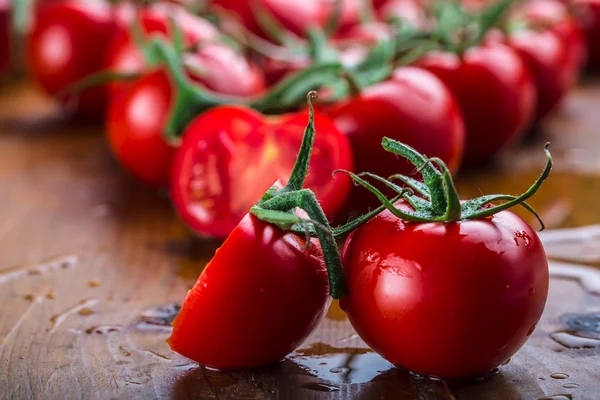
x=87 y=253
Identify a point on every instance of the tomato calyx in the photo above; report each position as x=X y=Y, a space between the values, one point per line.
x=435 y=198
x=278 y=206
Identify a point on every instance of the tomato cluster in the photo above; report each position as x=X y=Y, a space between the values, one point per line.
x=210 y=103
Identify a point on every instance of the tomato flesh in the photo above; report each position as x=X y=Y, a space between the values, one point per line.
x=448 y=300
x=231 y=155
x=257 y=300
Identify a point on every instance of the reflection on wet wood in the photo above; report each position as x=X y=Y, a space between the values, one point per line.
x=93 y=266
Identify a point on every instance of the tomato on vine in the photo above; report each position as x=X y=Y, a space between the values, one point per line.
x=266 y=288
x=444 y=287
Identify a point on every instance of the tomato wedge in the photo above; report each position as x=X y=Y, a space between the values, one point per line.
x=259 y=298
x=231 y=155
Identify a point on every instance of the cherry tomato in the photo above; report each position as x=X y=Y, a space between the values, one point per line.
x=554 y=15
x=451 y=300
x=257 y=300
x=137 y=116
x=135 y=122
x=414 y=107
x=495 y=92
x=68 y=43
x=231 y=155
x=548 y=62
x=4 y=36
x=123 y=54
x=590 y=21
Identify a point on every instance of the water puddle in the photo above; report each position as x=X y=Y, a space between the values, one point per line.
x=58 y=319
x=588 y=277
x=356 y=365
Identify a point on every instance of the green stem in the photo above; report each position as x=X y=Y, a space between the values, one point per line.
x=298 y=176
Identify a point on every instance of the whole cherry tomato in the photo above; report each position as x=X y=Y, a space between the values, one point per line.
x=123 y=54
x=495 y=92
x=68 y=43
x=230 y=155
x=450 y=297
x=265 y=290
x=548 y=62
x=4 y=36
x=413 y=106
x=554 y=15
x=590 y=21
x=135 y=122
x=257 y=300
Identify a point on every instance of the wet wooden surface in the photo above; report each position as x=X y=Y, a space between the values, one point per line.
x=92 y=265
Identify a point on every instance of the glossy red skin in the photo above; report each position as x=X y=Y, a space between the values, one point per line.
x=68 y=43
x=495 y=92
x=257 y=300
x=549 y=64
x=135 y=122
x=231 y=155
x=447 y=300
x=590 y=21
x=123 y=55
x=554 y=15
x=413 y=107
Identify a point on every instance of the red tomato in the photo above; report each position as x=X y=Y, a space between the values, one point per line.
x=4 y=36
x=137 y=117
x=257 y=300
x=590 y=21
x=554 y=15
x=68 y=43
x=413 y=107
x=123 y=54
x=135 y=122
x=231 y=155
x=495 y=92
x=451 y=300
x=548 y=62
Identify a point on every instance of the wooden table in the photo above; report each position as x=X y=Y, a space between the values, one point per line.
x=92 y=265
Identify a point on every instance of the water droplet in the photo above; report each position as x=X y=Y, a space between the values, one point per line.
x=320 y=387
x=570 y=385
x=124 y=351
x=559 y=375
x=103 y=329
x=158 y=318
x=572 y=340
x=94 y=283
x=582 y=322
x=84 y=312
x=51 y=295
x=29 y=297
